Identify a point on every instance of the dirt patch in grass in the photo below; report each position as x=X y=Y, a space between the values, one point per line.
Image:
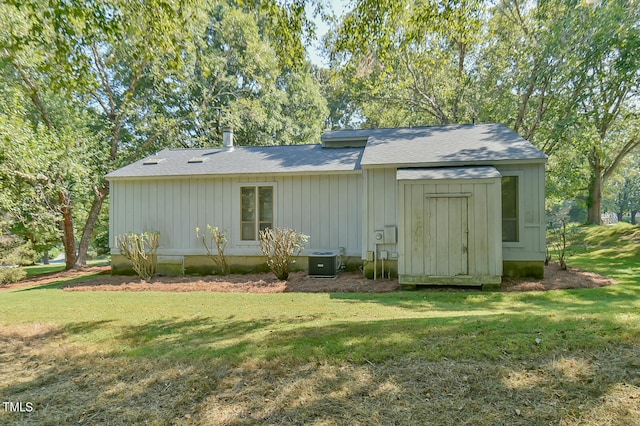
x=54 y=277
x=555 y=278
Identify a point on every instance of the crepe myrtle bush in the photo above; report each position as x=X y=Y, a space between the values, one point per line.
x=557 y=241
x=140 y=250
x=218 y=238
x=280 y=246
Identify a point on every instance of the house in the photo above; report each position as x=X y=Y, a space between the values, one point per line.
x=457 y=204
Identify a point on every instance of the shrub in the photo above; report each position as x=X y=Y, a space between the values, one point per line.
x=23 y=255
x=557 y=241
x=11 y=275
x=140 y=250
x=281 y=246
x=219 y=239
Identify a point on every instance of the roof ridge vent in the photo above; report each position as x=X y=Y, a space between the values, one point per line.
x=197 y=159
x=345 y=142
x=152 y=161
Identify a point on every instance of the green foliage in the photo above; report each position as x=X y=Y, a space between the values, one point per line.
x=11 y=274
x=217 y=238
x=414 y=56
x=280 y=247
x=100 y=242
x=41 y=167
x=87 y=87
x=622 y=194
x=572 y=352
x=14 y=249
x=140 y=250
x=568 y=83
x=23 y=255
x=236 y=78
x=342 y=105
x=561 y=73
x=557 y=241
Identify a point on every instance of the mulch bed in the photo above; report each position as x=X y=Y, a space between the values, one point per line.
x=555 y=278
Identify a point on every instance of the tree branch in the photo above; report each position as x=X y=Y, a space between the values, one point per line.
x=152 y=139
x=104 y=78
x=628 y=147
x=34 y=92
x=437 y=111
x=117 y=119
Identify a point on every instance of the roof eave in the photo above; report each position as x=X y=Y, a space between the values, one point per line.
x=453 y=163
x=231 y=175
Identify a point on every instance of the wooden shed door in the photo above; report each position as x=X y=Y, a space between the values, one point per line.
x=448 y=232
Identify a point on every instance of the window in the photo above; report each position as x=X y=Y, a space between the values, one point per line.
x=510 y=220
x=256 y=205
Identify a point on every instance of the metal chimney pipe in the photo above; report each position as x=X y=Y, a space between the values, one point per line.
x=227 y=138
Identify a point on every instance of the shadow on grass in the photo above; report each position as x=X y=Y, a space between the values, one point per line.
x=482 y=337
x=33 y=271
x=496 y=369
x=59 y=284
x=199 y=337
x=587 y=300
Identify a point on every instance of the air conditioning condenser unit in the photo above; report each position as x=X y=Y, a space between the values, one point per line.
x=323 y=264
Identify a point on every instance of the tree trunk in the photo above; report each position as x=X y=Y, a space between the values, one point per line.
x=633 y=217
x=68 y=237
x=100 y=195
x=594 y=198
x=620 y=215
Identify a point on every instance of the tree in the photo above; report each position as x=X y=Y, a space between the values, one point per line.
x=562 y=73
x=569 y=85
x=526 y=61
x=609 y=105
x=415 y=56
x=43 y=164
x=264 y=99
x=100 y=61
x=343 y=108
x=146 y=75
x=622 y=194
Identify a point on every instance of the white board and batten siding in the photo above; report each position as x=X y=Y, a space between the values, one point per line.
x=449 y=227
x=327 y=207
x=380 y=204
x=531 y=200
x=381 y=197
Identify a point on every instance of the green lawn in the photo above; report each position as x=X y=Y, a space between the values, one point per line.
x=425 y=357
x=43 y=269
x=57 y=267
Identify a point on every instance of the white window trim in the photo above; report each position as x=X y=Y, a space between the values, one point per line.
x=519 y=243
x=237 y=212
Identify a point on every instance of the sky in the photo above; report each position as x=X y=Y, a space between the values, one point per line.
x=314 y=52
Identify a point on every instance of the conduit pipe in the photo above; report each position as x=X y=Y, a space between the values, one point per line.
x=375 y=260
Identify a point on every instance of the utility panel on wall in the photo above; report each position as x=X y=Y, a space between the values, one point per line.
x=390 y=234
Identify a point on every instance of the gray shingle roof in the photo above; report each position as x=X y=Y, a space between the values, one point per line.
x=243 y=160
x=461 y=144
x=481 y=144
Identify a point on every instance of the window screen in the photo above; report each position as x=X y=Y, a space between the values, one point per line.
x=510 y=219
x=256 y=211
